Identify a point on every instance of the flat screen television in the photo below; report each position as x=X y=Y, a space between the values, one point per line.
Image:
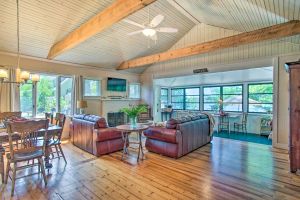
x=116 y=84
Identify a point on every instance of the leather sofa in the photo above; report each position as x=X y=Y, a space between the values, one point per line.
x=180 y=136
x=92 y=134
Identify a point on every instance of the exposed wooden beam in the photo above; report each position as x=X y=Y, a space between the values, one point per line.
x=114 y=13
x=272 y=32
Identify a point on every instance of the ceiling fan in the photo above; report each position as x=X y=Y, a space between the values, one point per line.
x=151 y=28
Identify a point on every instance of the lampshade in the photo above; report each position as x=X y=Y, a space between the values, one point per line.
x=81 y=104
x=3 y=73
x=35 y=77
x=25 y=75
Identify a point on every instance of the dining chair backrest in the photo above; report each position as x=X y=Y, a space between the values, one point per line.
x=244 y=118
x=224 y=119
x=9 y=115
x=60 y=119
x=49 y=116
x=29 y=137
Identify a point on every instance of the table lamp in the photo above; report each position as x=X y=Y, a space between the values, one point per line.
x=81 y=105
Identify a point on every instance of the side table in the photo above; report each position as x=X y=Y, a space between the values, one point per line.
x=126 y=130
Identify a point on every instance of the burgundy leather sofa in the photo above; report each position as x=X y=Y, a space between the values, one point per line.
x=180 y=136
x=92 y=134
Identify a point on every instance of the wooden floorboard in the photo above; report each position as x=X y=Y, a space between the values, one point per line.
x=224 y=169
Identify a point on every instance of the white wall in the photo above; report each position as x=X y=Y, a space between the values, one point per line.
x=52 y=67
x=268 y=53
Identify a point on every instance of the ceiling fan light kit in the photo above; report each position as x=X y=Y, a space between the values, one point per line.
x=149 y=32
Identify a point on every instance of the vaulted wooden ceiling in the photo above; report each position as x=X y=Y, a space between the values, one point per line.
x=43 y=23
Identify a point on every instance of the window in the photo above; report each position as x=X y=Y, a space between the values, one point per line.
x=260 y=98
x=177 y=99
x=192 y=99
x=232 y=97
x=91 y=88
x=211 y=97
x=185 y=98
x=51 y=94
x=134 y=90
x=46 y=95
x=164 y=97
x=26 y=100
x=65 y=96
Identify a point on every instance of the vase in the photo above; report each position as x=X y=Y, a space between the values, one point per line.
x=133 y=121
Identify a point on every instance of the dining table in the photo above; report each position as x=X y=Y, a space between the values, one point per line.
x=51 y=131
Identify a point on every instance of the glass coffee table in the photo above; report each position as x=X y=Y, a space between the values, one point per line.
x=126 y=130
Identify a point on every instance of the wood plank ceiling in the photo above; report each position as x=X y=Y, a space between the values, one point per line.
x=42 y=23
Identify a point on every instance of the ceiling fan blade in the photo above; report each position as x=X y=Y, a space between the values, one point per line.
x=133 y=23
x=135 y=32
x=156 y=20
x=167 y=30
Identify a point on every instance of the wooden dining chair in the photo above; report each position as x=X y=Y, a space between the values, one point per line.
x=2 y=152
x=55 y=142
x=4 y=116
x=241 y=126
x=49 y=116
x=29 y=148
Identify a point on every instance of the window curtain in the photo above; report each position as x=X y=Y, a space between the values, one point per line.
x=77 y=92
x=10 y=94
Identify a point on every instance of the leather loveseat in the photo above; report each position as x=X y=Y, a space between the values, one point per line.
x=180 y=136
x=92 y=134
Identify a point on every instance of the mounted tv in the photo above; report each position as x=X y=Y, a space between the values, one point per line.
x=116 y=84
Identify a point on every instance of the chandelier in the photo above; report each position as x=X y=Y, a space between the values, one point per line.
x=21 y=76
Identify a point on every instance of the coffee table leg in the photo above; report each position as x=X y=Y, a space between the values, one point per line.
x=140 y=147
x=125 y=138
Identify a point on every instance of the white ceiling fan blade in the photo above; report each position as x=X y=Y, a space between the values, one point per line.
x=156 y=20
x=167 y=30
x=135 y=32
x=133 y=23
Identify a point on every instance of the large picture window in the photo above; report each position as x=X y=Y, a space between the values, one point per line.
x=164 y=97
x=177 y=99
x=51 y=94
x=192 y=99
x=211 y=97
x=260 y=98
x=26 y=99
x=232 y=97
x=185 y=98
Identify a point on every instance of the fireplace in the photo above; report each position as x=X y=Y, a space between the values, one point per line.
x=116 y=118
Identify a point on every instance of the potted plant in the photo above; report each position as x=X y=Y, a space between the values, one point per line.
x=133 y=111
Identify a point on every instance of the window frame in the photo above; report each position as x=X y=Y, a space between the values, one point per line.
x=129 y=84
x=184 y=97
x=260 y=83
x=164 y=96
x=83 y=88
x=58 y=95
x=242 y=94
x=222 y=94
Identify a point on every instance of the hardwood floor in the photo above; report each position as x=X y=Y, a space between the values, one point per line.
x=225 y=169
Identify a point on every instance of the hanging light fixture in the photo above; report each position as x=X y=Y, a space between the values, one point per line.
x=21 y=76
